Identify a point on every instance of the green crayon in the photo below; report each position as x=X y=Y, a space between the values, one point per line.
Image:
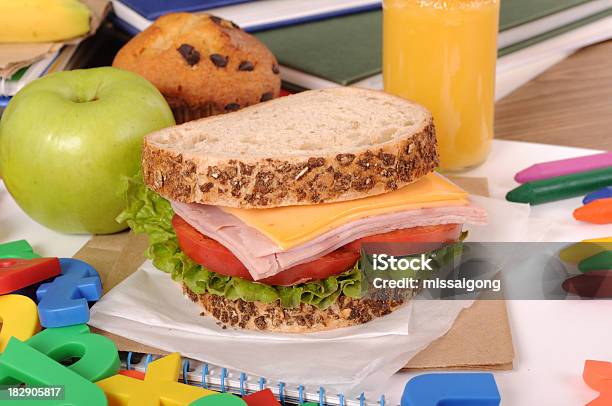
x=598 y=262
x=561 y=187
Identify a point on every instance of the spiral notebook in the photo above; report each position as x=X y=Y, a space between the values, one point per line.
x=239 y=383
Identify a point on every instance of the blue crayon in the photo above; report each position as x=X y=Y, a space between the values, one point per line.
x=602 y=193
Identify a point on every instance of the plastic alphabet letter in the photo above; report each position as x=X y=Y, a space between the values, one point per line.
x=222 y=399
x=598 y=375
x=21 y=363
x=98 y=355
x=160 y=386
x=458 y=389
x=17 y=249
x=63 y=302
x=262 y=398
x=19 y=318
x=132 y=373
x=17 y=273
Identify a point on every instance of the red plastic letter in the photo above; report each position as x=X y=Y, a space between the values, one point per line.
x=17 y=273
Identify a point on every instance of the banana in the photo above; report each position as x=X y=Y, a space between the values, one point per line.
x=42 y=20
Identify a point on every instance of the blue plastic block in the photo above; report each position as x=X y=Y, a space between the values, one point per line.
x=63 y=302
x=456 y=389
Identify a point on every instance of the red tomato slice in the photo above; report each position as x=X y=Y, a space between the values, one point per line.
x=216 y=258
x=439 y=233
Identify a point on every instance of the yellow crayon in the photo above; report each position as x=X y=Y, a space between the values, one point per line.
x=575 y=253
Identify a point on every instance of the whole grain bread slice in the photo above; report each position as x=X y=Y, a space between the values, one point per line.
x=344 y=312
x=319 y=146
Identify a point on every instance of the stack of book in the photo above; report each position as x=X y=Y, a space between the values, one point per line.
x=57 y=61
x=136 y=15
x=321 y=43
x=347 y=51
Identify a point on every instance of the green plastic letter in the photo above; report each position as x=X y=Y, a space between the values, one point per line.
x=20 y=363
x=98 y=355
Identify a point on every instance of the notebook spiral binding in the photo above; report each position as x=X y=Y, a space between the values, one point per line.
x=222 y=380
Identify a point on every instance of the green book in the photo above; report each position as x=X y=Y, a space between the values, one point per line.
x=19 y=74
x=348 y=49
x=514 y=13
x=342 y=50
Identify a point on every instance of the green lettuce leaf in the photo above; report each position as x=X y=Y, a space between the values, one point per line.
x=147 y=212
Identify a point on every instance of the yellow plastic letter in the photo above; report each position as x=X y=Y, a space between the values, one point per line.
x=19 y=317
x=160 y=386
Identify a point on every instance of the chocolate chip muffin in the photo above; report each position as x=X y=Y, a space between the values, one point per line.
x=202 y=64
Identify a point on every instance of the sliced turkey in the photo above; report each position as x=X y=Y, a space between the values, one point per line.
x=264 y=258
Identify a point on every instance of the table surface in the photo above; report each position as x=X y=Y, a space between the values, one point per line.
x=570 y=104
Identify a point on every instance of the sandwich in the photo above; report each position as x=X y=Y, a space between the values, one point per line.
x=259 y=215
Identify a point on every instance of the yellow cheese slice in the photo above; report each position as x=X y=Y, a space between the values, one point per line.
x=293 y=225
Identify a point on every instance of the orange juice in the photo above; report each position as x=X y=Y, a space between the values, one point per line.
x=442 y=53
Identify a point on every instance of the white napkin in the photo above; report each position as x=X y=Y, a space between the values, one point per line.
x=150 y=308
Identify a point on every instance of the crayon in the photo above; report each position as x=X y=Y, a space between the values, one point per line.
x=575 y=253
x=562 y=187
x=597 y=212
x=595 y=284
x=547 y=170
x=598 y=375
x=598 y=262
x=598 y=194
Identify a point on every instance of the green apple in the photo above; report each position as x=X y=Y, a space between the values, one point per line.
x=69 y=140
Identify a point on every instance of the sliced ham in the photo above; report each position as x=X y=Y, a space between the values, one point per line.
x=264 y=258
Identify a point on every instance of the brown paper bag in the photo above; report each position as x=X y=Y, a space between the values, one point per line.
x=479 y=339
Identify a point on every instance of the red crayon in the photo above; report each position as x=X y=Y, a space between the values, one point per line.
x=597 y=212
x=595 y=284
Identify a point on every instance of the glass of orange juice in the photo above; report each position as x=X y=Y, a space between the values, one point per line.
x=442 y=53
